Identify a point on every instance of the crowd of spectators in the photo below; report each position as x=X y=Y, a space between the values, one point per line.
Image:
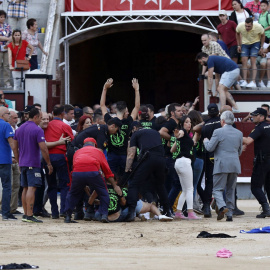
x=244 y=37
x=48 y=147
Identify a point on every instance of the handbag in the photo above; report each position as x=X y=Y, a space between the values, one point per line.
x=21 y=64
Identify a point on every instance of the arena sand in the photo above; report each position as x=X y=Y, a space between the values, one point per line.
x=137 y=245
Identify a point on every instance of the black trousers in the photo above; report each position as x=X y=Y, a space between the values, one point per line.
x=153 y=165
x=261 y=176
x=206 y=194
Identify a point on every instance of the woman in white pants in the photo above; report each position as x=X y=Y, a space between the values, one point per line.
x=183 y=147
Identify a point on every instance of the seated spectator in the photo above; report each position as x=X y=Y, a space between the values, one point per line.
x=31 y=36
x=240 y=13
x=17 y=51
x=261 y=61
x=5 y=37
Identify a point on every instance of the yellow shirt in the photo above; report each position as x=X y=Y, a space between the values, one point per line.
x=252 y=36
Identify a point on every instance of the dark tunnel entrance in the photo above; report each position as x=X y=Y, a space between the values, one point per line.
x=162 y=60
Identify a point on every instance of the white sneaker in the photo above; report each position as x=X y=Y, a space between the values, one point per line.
x=235 y=110
x=243 y=83
x=251 y=85
x=164 y=218
x=268 y=84
x=261 y=84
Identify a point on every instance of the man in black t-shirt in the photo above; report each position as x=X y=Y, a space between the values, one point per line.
x=172 y=183
x=100 y=133
x=118 y=143
x=144 y=118
x=146 y=140
x=261 y=169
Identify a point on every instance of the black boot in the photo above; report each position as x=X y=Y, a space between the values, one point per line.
x=236 y=211
x=68 y=219
x=79 y=215
x=206 y=210
x=131 y=216
x=266 y=211
x=89 y=213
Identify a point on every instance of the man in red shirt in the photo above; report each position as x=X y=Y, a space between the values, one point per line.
x=56 y=128
x=88 y=162
x=227 y=33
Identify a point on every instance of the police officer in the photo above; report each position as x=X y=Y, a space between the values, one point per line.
x=207 y=131
x=261 y=169
x=146 y=140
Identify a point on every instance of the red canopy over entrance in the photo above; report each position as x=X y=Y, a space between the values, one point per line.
x=125 y=5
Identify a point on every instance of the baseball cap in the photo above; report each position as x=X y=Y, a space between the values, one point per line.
x=259 y=111
x=212 y=108
x=78 y=112
x=90 y=140
x=222 y=12
x=28 y=108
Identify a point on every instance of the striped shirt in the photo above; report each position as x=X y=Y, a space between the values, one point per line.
x=214 y=48
x=17 y=10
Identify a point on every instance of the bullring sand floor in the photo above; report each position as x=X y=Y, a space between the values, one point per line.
x=137 y=245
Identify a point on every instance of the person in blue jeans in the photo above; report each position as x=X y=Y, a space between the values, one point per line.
x=6 y=142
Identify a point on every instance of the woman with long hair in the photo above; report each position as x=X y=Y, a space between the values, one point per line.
x=183 y=147
x=197 y=165
x=240 y=14
x=17 y=51
x=85 y=121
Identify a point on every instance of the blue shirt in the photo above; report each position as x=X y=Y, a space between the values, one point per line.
x=221 y=64
x=6 y=131
x=223 y=46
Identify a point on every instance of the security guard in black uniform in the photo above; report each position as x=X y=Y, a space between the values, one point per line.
x=261 y=169
x=149 y=143
x=207 y=131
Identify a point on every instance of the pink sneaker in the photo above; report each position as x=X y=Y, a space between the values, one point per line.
x=180 y=215
x=192 y=215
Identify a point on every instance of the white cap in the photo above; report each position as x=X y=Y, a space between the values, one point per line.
x=222 y=12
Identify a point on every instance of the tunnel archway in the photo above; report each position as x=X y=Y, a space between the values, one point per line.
x=162 y=60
